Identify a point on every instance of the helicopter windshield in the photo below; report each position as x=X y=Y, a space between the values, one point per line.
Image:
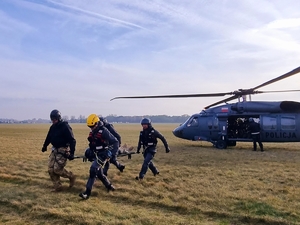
x=193 y=121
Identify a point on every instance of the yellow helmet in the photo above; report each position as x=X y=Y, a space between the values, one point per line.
x=92 y=120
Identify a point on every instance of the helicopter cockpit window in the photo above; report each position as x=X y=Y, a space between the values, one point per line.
x=193 y=122
x=288 y=123
x=269 y=123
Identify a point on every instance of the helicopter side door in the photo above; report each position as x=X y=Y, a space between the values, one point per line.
x=279 y=128
x=213 y=128
x=220 y=140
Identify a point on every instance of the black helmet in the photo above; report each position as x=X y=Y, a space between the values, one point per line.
x=55 y=115
x=146 y=121
x=102 y=119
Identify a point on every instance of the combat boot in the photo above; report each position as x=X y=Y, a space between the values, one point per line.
x=57 y=188
x=72 y=180
x=121 y=168
x=110 y=188
x=84 y=195
x=156 y=173
x=139 y=178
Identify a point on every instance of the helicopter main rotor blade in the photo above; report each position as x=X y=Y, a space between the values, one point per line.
x=222 y=101
x=291 y=73
x=263 y=92
x=237 y=96
x=177 y=96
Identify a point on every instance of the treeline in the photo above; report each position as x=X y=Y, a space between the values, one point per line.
x=154 y=119
x=110 y=119
x=134 y=119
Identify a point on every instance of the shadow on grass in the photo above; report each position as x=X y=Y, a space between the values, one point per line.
x=40 y=215
x=234 y=217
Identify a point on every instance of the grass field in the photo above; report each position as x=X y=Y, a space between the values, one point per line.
x=197 y=184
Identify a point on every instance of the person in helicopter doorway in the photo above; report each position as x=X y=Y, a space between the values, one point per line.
x=60 y=135
x=148 y=140
x=99 y=139
x=254 y=129
x=114 y=151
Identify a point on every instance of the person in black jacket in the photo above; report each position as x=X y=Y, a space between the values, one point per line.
x=98 y=153
x=114 y=151
x=111 y=129
x=254 y=129
x=60 y=135
x=148 y=140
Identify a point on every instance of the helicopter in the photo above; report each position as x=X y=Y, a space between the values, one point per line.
x=225 y=125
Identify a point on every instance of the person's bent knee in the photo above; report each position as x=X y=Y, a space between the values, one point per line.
x=58 y=171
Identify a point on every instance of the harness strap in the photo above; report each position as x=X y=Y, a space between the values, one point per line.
x=99 y=161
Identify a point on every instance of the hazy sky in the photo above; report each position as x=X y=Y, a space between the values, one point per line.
x=75 y=55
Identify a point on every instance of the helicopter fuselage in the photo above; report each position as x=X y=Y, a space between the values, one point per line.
x=227 y=124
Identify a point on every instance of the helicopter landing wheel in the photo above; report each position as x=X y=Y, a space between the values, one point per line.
x=221 y=144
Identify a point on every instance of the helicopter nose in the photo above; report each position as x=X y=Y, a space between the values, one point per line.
x=178 y=132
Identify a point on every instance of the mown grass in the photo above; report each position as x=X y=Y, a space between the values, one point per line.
x=197 y=184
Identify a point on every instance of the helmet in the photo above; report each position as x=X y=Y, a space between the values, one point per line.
x=92 y=120
x=102 y=119
x=55 y=115
x=251 y=119
x=146 y=121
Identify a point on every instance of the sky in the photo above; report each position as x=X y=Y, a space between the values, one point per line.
x=76 y=55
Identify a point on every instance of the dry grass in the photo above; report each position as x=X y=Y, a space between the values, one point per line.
x=197 y=183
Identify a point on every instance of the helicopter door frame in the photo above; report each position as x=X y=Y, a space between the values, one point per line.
x=221 y=140
x=238 y=127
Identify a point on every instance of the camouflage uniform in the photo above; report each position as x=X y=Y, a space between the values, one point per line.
x=56 y=167
x=60 y=135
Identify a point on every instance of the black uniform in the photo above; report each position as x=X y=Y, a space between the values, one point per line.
x=114 y=150
x=113 y=131
x=148 y=140
x=99 y=140
x=254 y=129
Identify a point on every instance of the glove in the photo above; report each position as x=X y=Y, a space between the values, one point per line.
x=44 y=149
x=71 y=157
x=167 y=150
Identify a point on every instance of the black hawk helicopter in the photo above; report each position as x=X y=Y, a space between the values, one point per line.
x=224 y=125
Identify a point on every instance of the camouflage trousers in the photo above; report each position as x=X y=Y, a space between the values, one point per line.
x=56 y=167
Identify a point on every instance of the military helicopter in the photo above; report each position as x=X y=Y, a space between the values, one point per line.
x=224 y=125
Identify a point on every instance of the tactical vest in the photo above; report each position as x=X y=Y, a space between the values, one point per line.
x=97 y=143
x=148 y=139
